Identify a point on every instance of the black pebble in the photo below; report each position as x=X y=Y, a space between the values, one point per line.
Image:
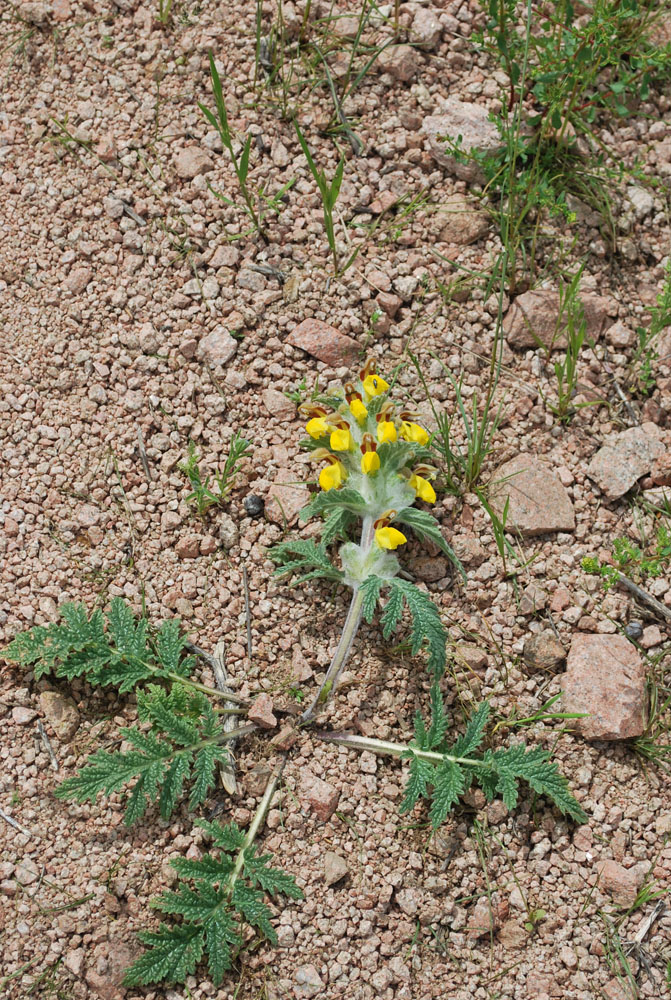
x=633 y=630
x=253 y=505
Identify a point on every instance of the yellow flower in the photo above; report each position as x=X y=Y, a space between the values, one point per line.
x=317 y=427
x=370 y=462
x=358 y=410
x=374 y=385
x=389 y=538
x=386 y=431
x=332 y=476
x=423 y=489
x=341 y=440
x=413 y=432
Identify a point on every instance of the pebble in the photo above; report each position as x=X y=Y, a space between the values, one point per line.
x=538 y=503
x=535 y=318
x=192 y=161
x=324 y=342
x=218 y=347
x=335 y=868
x=261 y=712
x=478 y=134
x=253 y=505
x=286 y=498
x=23 y=716
x=625 y=458
x=605 y=678
x=308 y=982
x=61 y=713
x=543 y=652
x=619 y=882
x=400 y=61
x=278 y=405
x=316 y=795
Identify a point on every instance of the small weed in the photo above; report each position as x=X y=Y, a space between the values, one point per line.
x=203 y=496
x=630 y=560
x=165 y=11
x=643 y=379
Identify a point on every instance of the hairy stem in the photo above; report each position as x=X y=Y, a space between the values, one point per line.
x=390 y=749
x=350 y=629
x=257 y=820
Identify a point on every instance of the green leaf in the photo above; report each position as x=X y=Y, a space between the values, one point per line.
x=170 y=645
x=449 y=784
x=370 y=590
x=420 y=776
x=229 y=837
x=251 y=905
x=541 y=773
x=300 y=554
x=344 y=499
x=173 y=954
x=439 y=721
x=272 y=880
x=129 y=638
x=173 y=783
x=427 y=529
x=426 y=624
x=467 y=744
x=220 y=936
x=336 y=525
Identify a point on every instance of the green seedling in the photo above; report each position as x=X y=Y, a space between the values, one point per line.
x=203 y=494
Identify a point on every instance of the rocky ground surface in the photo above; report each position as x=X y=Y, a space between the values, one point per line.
x=132 y=324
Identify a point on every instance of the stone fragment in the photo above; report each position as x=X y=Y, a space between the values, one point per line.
x=624 y=458
x=538 y=502
x=389 y=303
x=23 y=716
x=188 y=547
x=426 y=29
x=468 y=121
x=400 y=61
x=458 y=223
x=384 y=201
x=308 y=982
x=335 y=868
x=192 y=161
x=228 y=532
x=256 y=780
x=301 y=670
x=533 y=599
x=513 y=936
x=468 y=550
x=605 y=678
x=261 y=712
x=279 y=154
x=619 y=882
x=278 y=405
x=324 y=342
x=642 y=202
x=61 y=11
x=429 y=568
x=74 y=961
x=660 y=470
x=535 y=317
x=543 y=652
x=652 y=636
x=61 y=713
x=78 y=279
x=620 y=336
x=286 y=498
x=218 y=347
x=486 y=916
x=472 y=657
x=317 y=795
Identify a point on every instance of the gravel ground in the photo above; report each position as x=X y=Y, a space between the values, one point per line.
x=118 y=293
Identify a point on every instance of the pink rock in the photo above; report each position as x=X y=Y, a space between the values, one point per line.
x=534 y=318
x=624 y=458
x=652 y=636
x=543 y=652
x=278 y=405
x=620 y=336
x=538 y=502
x=23 y=716
x=11 y=527
x=605 y=678
x=286 y=498
x=317 y=795
x=478 y=134
x=78 y=279
x=400 y=61
x=389 y=303
x=61 y=713
x=533 y=599
x=426 y=30
x=61 y=11
x=192 y=161
x=261 y=712
x=218 y=347
x=621 y=883
x=188 y=547
x=324 y=342
x=458 y=223
x=487 y=917
x=384 y=201
x=660 y=470
x=208 y=545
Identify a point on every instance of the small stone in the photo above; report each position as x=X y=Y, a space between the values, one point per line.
x=317 y=795
x=568 y=956
x=605 y=678
x=217 y=347
x=308 y=982
x=642 y=202
x=74 y=961
x=429 y=568
x=23 y=716
x=285 y=936
x=660 y=470
x=535 y=318
x=513 y=936
x=285 y=739
x=633 y=630
x=625 y=458
x=335 y=868
x=486 y=917
x=78 y=279
x=426 y=30
x=458 y=223
x=400 y=61
x=384 y=201
x=620 y=336
x=228 y=531
x=301 y=670
x=192 y=161
x=11 y=527
x=61 y=713
x=188 y=547
x=61 y=10
x=538 y=503
x=278 y=405
x=389 y=303
x=651 y=637
x=472 y=657
x=261 y=712
x=253 y=505
x=286 y=498
x=533 y=600
x=543 y=652
x=324 y=342
x=256 y=780
x=279 y=154
x=468 y=121
x=621 y=883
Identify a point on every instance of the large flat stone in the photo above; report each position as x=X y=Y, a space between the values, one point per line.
x=468 y=121
x=535 y=318
x=324 y=342
x=286 y=498
x=624 y=458
x=538 y=502
x=605 y=677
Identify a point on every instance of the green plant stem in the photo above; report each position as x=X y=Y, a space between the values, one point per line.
x=390 y=749
x=350 y=629
x=228 y=695
x=257 y=821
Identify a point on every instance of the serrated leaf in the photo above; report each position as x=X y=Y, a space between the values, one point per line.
x=438 y=727
x=426 y=624
x=170 y=645
x=172 y=955
x=272 y=880
x=345 y=499
x=129 y=636
x=427 y=529
x=251 y=905
x=204 y=769
x=301 y=554
x=370 y=591
x=220 y=936
x=420 y=776
x=173 y=783
x=540 y=773
x=467 y=744
x=229 y=837
x=449 y=784
x=336 y=525
x=195 y=905
x=206 y=869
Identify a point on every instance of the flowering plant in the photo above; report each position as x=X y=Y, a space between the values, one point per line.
x=375 y=466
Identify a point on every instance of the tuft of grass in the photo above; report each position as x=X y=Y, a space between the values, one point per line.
x=203 y=494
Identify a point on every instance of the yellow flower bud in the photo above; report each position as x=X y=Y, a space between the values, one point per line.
x=413 y=432
x=341 y=440
x=370 y=462
x=423 y=489
x=374 y=385
x=332 y=476
x=317 y=428
x=358 y=410
x=389 y=538
x=386 y=431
